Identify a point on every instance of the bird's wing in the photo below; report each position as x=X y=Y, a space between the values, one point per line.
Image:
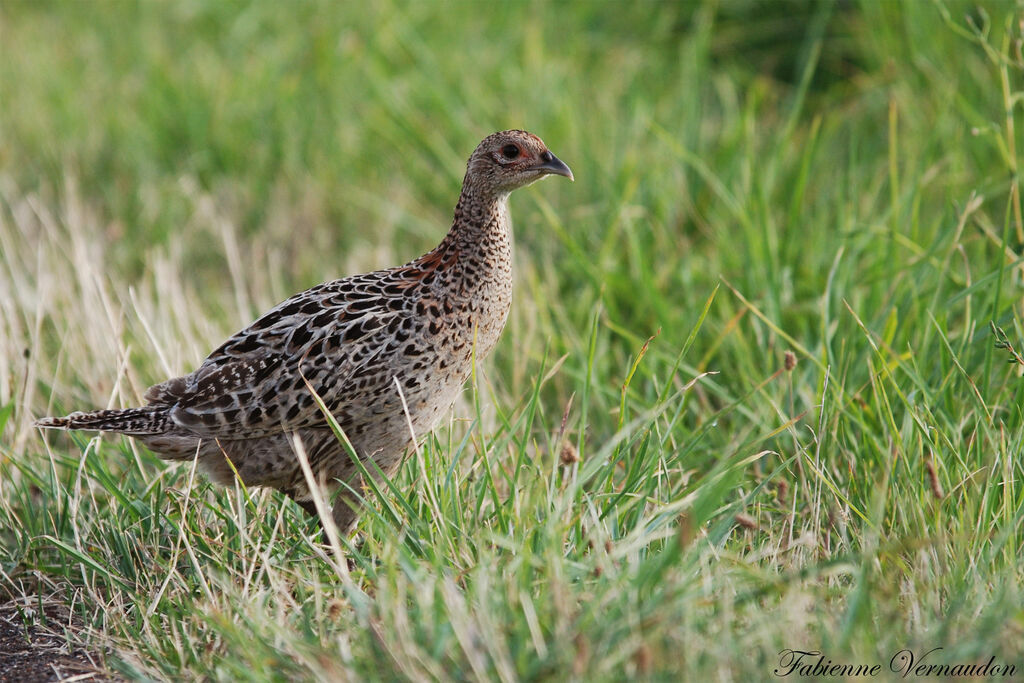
x=255 y=383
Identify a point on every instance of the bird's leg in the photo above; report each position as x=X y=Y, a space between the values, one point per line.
x=308 y=506
x=344 y=511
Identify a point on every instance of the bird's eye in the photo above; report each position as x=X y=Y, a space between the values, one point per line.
x=510 y=151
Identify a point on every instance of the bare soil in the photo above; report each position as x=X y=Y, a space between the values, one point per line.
x=39 y=650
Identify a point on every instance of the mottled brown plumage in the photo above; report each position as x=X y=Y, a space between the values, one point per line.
x=350 y=339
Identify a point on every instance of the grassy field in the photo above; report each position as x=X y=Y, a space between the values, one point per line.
x=760 y=388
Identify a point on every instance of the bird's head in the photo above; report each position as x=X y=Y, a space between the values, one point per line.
x=511 y=159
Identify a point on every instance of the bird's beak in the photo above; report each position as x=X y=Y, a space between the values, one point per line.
x=550 y=164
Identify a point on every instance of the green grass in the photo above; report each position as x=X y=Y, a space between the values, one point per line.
x=635 y=484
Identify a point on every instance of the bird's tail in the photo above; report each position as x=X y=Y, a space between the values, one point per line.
x=133 y=421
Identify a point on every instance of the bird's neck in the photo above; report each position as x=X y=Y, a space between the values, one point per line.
x=473 y=263
x=481 y=225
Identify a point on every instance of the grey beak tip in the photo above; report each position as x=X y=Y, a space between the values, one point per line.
x=556 y=166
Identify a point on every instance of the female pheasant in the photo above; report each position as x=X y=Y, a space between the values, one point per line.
x=385 y=351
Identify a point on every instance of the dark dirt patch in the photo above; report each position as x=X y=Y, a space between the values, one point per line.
x=39 y=651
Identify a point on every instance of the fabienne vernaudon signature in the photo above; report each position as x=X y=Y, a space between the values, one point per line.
x=906 y=663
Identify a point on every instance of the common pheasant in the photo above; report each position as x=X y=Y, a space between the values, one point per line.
x=387 y=352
